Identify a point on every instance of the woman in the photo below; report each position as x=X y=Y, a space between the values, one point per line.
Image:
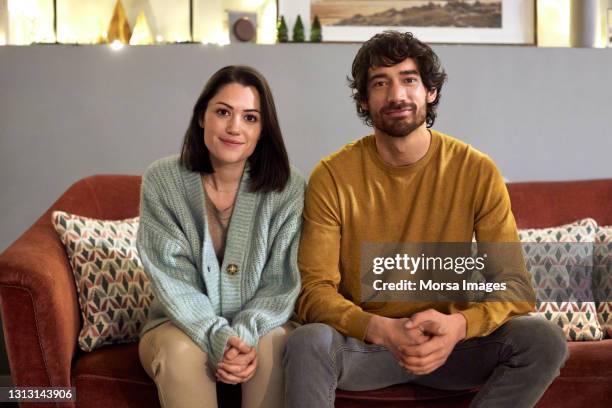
x=218 y=237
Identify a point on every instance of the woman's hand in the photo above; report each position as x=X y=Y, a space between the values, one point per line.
x=239 y=362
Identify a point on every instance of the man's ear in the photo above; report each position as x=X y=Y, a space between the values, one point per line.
x=432 y=94
x=364 y=106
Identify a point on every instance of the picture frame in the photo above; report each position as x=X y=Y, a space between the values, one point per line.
x=609 y=28
x=515 y=25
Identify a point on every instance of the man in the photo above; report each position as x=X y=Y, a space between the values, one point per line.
x=407 y=183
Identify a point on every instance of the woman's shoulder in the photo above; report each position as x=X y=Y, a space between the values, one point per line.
x=293 y=192
x=167 y=174
x=295 y=185
x=296 y=178
x=162 y=166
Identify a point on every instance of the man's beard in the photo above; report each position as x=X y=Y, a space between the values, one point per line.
x=400 y=127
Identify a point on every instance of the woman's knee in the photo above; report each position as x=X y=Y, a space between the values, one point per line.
x=171 y=353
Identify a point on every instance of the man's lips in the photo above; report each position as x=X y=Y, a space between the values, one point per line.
x=399 y=110
x=397 y=113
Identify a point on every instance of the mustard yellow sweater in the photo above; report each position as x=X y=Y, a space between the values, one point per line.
x=353 y=197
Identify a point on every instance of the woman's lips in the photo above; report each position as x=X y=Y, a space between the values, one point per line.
x=230 y=142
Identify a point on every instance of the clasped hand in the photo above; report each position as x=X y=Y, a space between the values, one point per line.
x=421 y=343
x=239 y=362
x=436 y=335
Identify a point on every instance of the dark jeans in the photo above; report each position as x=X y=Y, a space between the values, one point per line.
x=513 y=365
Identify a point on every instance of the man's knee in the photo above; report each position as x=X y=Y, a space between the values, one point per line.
x=310 y=342
x=542 y=341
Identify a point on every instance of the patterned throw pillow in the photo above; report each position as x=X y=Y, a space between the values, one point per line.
x=114 y=292
x=562 y=276
x=602 y=281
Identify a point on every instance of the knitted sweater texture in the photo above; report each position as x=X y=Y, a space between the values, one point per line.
x=252 y=291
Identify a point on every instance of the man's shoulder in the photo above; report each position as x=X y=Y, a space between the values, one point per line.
x=348 y=154
x=455 y=149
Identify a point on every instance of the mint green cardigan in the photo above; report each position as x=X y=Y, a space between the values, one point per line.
x=191 y=289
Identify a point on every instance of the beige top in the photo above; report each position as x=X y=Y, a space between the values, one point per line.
x=218 y=222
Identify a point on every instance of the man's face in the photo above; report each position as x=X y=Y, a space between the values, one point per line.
x=397 y=98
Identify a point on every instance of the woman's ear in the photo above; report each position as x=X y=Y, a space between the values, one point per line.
x=201 y=118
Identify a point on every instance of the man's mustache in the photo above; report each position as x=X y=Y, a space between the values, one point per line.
x=398 y=106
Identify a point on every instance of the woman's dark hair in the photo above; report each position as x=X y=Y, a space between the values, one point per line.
x=269 y=164
x=390 y=48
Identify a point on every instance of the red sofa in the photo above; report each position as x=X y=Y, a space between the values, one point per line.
x=41 y=318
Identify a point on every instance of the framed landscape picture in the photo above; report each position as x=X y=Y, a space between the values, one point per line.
x=434 y=21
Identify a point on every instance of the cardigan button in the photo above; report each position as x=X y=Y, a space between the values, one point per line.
x=232 y=269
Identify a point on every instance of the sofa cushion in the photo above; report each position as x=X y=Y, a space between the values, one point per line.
x=114 y=292
x=602 y=282
x=562 y=276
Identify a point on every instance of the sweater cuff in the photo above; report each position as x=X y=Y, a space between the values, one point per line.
x=475 y=318
x=217 y=344
x=357 y=324
x=245 y=334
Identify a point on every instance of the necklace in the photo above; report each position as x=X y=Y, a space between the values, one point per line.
x=220 y=213
x=207 y=181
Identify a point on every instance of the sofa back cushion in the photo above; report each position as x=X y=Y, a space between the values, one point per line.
x=113 y=291
x=560 y=260
x=548 y=204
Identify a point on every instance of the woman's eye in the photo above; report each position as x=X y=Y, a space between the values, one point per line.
x=223 y=112
x=251 y=118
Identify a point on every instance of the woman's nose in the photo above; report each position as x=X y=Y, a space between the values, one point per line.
x=233 y=125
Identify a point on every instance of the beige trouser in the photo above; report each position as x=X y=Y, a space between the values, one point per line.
x=183 y=377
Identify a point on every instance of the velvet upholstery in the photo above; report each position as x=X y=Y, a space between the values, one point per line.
x=41 y=318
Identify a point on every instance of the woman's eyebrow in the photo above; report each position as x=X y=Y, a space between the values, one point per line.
x=231 y=107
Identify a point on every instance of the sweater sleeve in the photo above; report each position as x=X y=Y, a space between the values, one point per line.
x=319 y=260
x=496 y=228
x=274 y=300
x=164 y=249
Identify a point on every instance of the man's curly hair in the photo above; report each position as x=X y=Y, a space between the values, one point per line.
x=390 y=48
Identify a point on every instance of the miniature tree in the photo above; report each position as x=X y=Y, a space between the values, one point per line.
x=298 y=30
x=281 y=31
x=315 y=31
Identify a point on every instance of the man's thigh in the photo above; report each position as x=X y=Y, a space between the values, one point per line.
x=364 y=366
x=515 y=343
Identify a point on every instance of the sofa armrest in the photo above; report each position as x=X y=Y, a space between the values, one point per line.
x=40 y=312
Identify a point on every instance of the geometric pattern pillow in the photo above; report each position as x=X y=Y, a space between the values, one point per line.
x=114 y=292
x=562 y=275
x=602 y=283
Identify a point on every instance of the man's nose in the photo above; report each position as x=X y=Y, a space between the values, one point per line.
x=396 y=93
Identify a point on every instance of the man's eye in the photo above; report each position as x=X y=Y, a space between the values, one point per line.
x=410 y=80
x=223 y=112
x=379 y=83
x=251 y=118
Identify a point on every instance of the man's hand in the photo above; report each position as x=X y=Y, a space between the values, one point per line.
x=394 y=333
x=448 y=330
x=239 y=362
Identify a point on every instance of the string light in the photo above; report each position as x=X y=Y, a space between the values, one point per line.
x=87 y=24
x=116 y=45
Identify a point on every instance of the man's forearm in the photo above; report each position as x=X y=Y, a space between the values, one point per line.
x=376 y=332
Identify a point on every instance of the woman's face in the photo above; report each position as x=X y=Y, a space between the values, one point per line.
x=232 y=124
